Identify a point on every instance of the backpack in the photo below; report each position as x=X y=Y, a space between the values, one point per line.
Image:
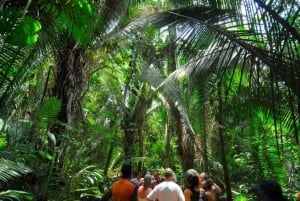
x=198 y=195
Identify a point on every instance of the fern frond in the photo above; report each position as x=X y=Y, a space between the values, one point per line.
x=47 y=112
x=87 y=179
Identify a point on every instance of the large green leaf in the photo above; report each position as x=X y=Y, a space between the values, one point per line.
x=25 y=33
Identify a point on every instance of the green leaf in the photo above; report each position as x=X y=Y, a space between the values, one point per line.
x=47 y=112
x=3 y=140
x=25 y=33
x=52 y=138
x=45 y=155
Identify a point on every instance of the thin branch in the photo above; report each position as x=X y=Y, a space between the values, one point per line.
x=26 y=9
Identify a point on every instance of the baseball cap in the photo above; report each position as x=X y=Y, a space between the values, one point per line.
x=168 y=172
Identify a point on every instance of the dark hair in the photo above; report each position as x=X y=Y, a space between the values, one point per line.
x=135 y=173
x=191 y=178
x=269 y=191
x=148 y=181
x=126 y=170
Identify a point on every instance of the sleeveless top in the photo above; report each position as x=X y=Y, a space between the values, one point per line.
x=198 y=195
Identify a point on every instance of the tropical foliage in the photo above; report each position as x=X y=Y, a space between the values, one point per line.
x=211 y=85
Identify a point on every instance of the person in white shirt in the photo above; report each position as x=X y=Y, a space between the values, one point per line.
x=167 y=190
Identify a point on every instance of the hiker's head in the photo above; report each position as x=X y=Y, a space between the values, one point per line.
x=126 y=170
x=169 y=175
x=269 y=191
x=202 y=176
x=191 y=177
x=148 y=181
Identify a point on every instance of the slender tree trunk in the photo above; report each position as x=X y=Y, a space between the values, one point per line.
x=108 y=158
x=141 y=147
x=188 y=149
x=135 y=122
x=168 y=131
x=203 y=137
x=222 y=143
x=129 y=137
x=178 y=128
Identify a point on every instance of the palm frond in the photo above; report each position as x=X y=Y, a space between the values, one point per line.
x=87 y=180
x=242 y=39
x=10 y=170
x=279 y=13
x=14 y=195
x=169 y=89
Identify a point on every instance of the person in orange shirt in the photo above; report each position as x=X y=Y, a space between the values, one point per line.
x=123 y=189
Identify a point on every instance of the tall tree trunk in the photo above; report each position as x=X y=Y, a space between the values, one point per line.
x=108 y=158
x=188 y=149
x=222 y=143
x=168 y=133
x=185 y=142
x=70 y=80
x=186 y=146
x=134 y=122
x=141 y=148
x=204 y=135
x=129 y=137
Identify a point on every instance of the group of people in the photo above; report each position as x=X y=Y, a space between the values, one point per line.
x=151 y=188
x=197 y=187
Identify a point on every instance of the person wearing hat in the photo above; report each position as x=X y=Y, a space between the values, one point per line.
x=167 y=190
x=123 y=189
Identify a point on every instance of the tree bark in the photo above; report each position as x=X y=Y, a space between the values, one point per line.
x=186 y=146
x=222 y=143
x=185 y=143
x=70 y=81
